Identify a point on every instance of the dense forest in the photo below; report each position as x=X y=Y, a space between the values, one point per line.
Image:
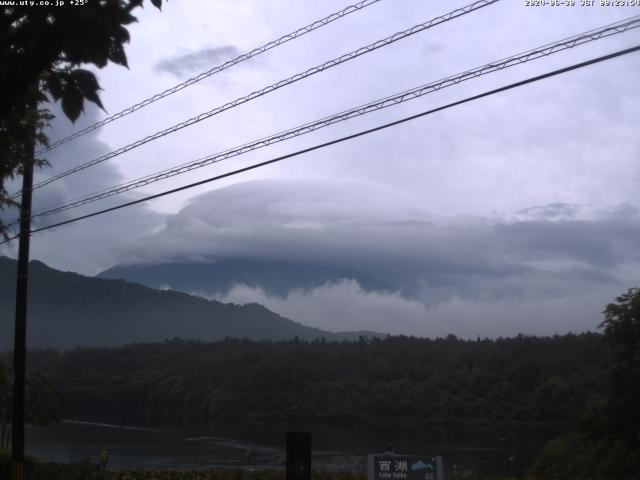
x=604 y=441
x=406 y=381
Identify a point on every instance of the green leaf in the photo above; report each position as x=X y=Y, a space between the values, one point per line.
x=41 y=97
x=85 y=79
x=88 y=84
x=117 y=55
x=122 y=34
x=72 y=102
x=54 y=85
x=93 y=96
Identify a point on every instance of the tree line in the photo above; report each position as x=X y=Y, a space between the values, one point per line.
x=400 y=381
x=586 y=386
x=604 y=441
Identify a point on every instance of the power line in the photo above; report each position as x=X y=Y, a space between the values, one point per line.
x=282 y=83
x=545 y=50
x=217 y=69
x=345 y=138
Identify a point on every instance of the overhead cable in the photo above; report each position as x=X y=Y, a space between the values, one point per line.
x=345 y=138
x=275 y=86
x=217 y=69
x=543 y=51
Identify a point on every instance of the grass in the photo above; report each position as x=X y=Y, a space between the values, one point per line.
x=36 y=470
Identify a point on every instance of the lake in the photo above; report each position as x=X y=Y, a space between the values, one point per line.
x=236 y=445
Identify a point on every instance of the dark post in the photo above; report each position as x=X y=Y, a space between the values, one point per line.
x=298 y=456
x=19 y=348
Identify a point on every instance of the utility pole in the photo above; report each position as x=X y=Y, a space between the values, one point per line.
x=20 y=340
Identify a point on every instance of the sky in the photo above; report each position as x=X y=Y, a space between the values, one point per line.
x=516 y=213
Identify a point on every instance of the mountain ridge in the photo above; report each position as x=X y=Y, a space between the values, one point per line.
x=68 y=310
x=218 y=276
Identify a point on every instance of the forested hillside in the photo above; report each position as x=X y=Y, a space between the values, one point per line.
x=396 y=381
x=68 y=310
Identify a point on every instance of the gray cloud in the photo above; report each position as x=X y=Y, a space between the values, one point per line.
x=445 y=264
x=342 y=306
x=567 y=146
x=85 y=246
x=553 y=211
x=65 y=157
x=345 y=306
x=180 y=65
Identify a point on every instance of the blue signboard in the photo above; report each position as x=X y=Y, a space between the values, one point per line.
x=388 y=466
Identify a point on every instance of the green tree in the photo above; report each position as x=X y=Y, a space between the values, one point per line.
x=622 y=332
x=41 y=50
x=605 y=441
x=5 y=405
x=44 y=403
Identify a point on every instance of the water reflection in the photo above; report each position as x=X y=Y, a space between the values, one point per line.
x=262 y=446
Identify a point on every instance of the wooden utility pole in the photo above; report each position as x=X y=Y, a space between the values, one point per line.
x=20 y=340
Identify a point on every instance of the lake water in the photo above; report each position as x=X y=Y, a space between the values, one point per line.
x=262 y=446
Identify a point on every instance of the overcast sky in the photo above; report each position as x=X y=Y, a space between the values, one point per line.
x=514 y=213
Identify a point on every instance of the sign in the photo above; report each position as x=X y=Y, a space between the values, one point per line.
x=104 y=457
x=388 y=466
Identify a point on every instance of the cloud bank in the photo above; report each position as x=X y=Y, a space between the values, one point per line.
x=83 y=246
x=540 y=270
x=199 y=61
x=345 y=306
